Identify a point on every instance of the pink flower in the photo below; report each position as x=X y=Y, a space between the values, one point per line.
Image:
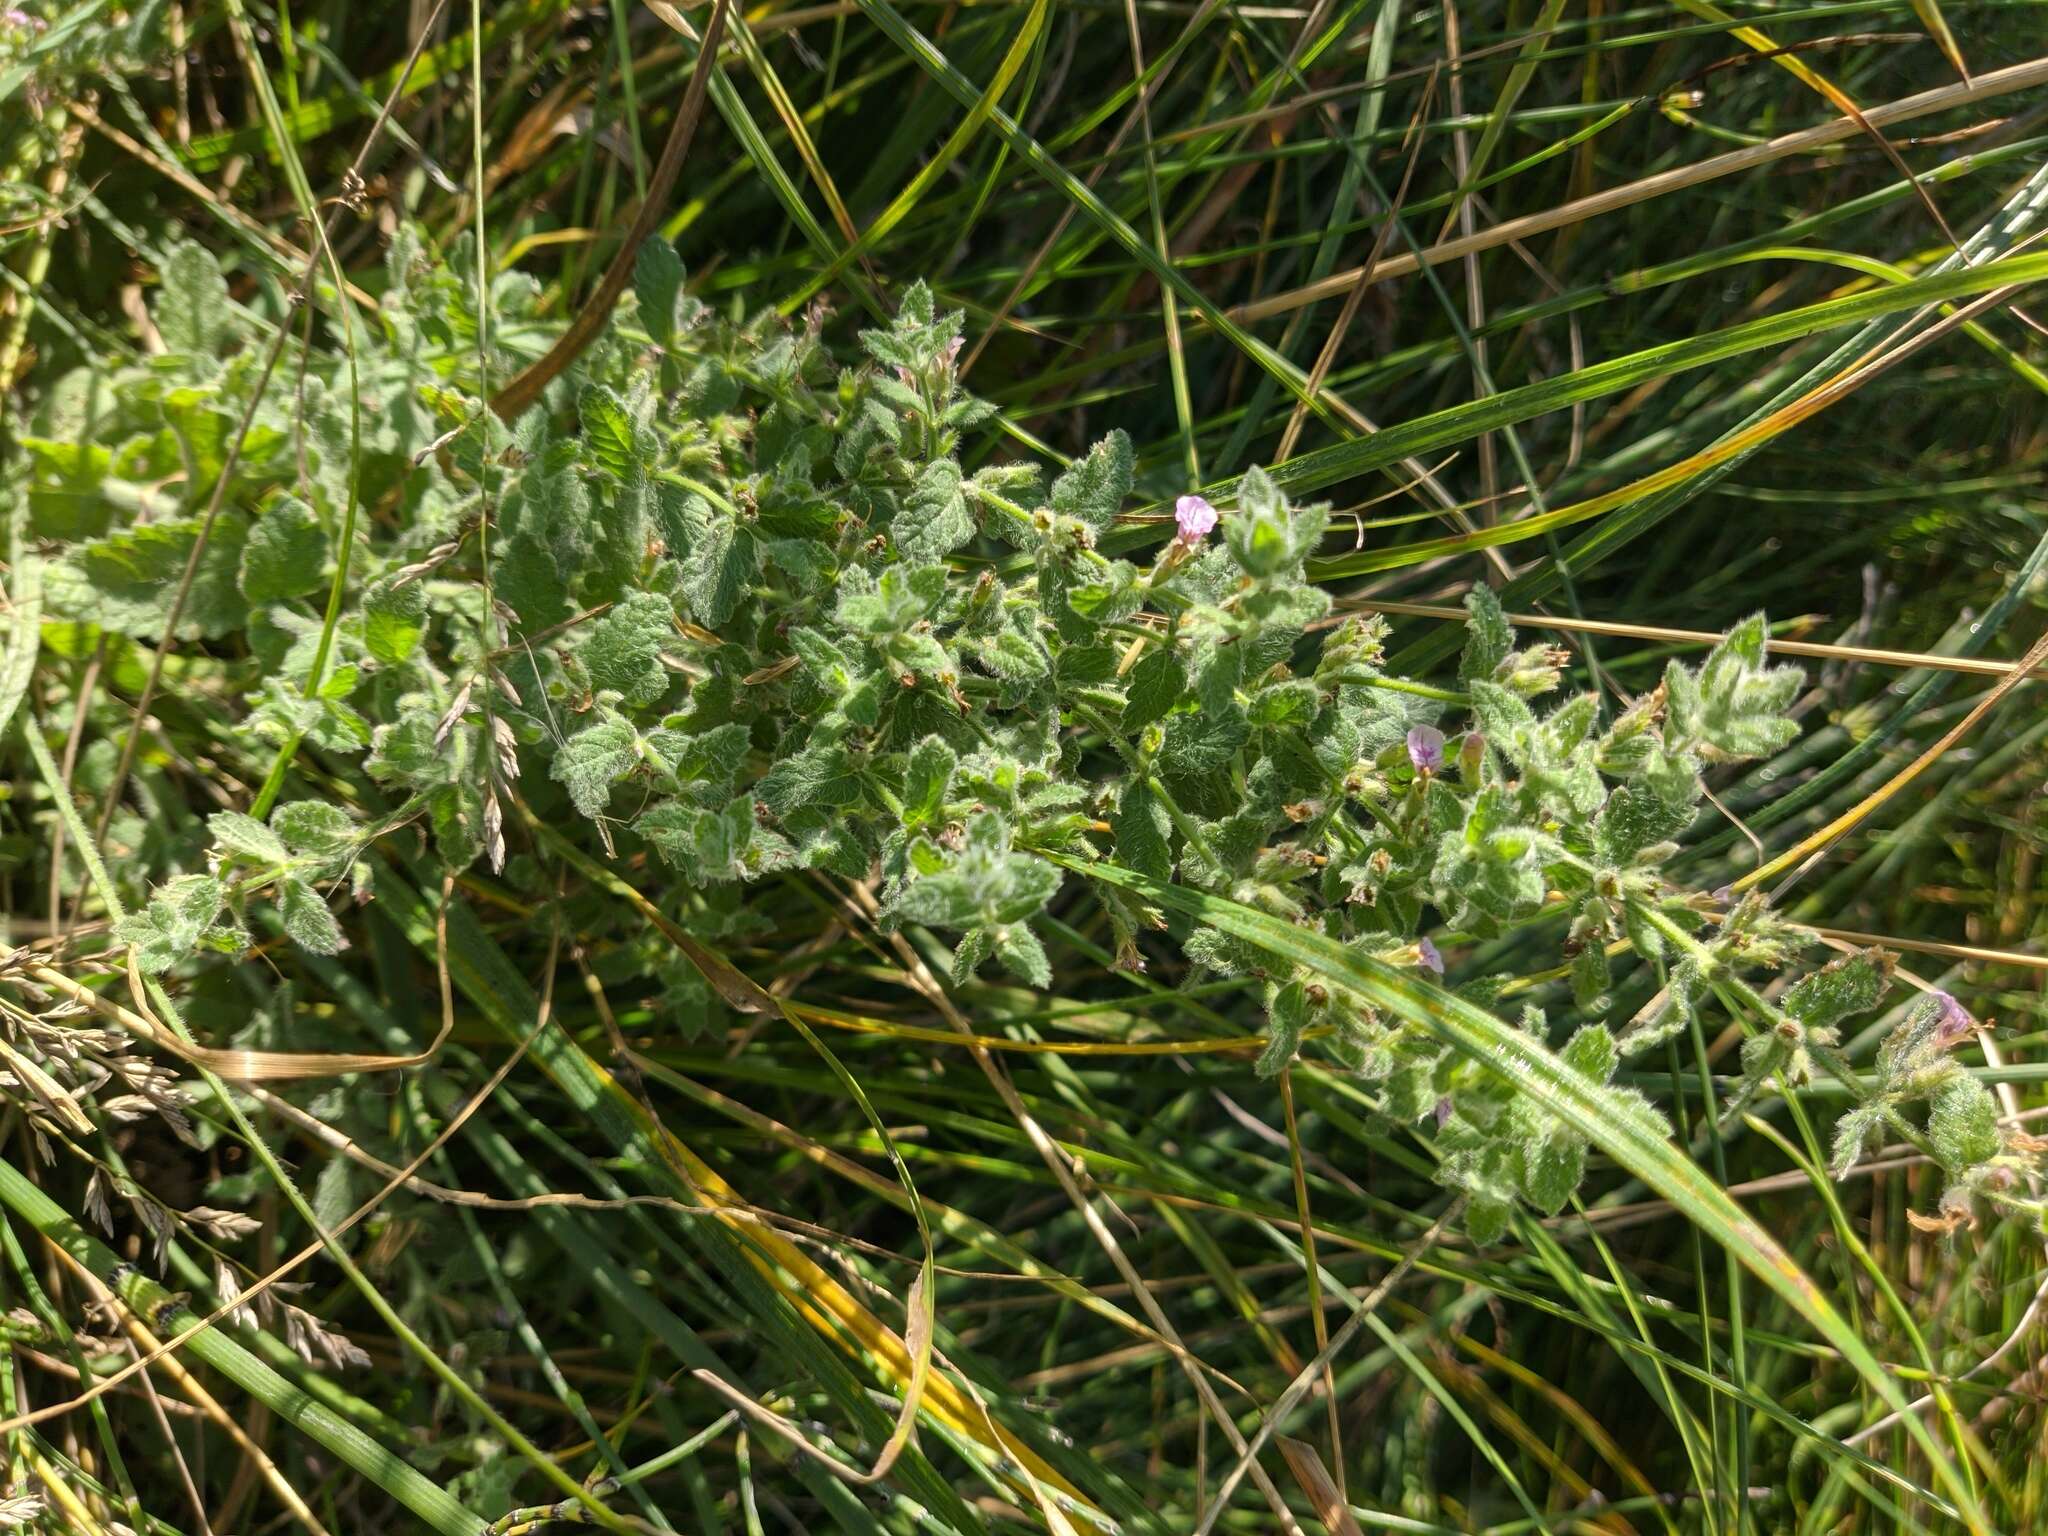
x=1430 y=957
x=1954 y=1021
x=1195 y=518
x=1426 y=748
x=952 y=353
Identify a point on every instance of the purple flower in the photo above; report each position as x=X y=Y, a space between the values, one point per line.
x=1195 y=517
x=1954 y=1021
x=952 y=353
x=1429 y=956
x=1426 y=748
x=1443 y=1111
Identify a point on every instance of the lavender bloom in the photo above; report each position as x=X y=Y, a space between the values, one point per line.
x=1443 y=1111
x=1430 y=957
x=1426 y=748
x=1954 y=1021
x=1195 y=517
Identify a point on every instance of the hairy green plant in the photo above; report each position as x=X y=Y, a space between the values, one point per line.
x=754 y=616
x=1018 y=958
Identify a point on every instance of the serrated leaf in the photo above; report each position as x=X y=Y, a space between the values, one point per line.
x=129 y=581
x=934 y=519
x=245 y=834
x=174 y=923
x=818 y=776
x=1552 y=1167
x=1156 y=685
x=706 y=845
x=1022 y=955
x=192 y=303
x=607 y=429
x=394 y=619
x=285 y=554
x=1094 y=489
x=927 y=774
x=723 y=558
x=622 y=649
x=1592 y=1051
x=1486 y=1220
x=1634 y=819
x=1848 y=985
x=1016 y=657
x=1202 y=742
x=1963 y=1124
x=658 y=286
x=314 y=828
x=594 y=759
x=1143 y=830
x=306 y=918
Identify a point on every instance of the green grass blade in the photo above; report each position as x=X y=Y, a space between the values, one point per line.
x=1591 y=1110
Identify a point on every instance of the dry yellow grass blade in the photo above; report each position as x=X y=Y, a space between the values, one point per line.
x=919 y=1342
x=1929 y=12
x=1817 y=843
x=234 y=1066
x=1735 y=446
x=1323 y=1494
x=1876 y=656
x=862 y=1024
x=828 y=1306
x=821 y=1300
x=1807 y=75
x=1974 y=952
x=2001 y=82
x=61 y=1495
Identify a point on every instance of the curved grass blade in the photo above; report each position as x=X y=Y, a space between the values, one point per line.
x=1325 y=467
x=948 y=156
x=1587 y=1108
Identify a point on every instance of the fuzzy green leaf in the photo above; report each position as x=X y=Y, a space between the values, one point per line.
x=306 y=918
x=285 y=554
x=593 y=760
x=244 y=834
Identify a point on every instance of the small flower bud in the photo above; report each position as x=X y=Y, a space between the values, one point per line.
x=1954 y=1023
